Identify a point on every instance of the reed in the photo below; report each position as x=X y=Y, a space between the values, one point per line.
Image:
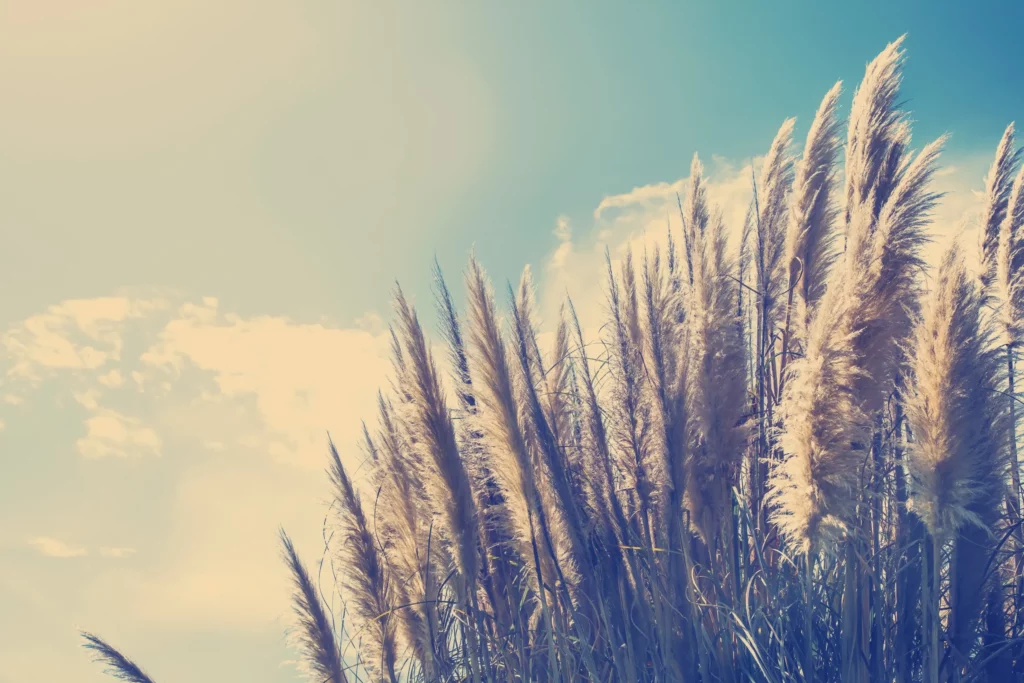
x=958 y=460
x=117 y=665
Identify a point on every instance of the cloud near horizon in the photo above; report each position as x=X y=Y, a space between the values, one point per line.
x=301 y=379
x=51 y=547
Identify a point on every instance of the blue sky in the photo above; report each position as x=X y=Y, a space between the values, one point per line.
x=204 y=206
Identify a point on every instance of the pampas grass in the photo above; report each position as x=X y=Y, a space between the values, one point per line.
x=716 y=379
x=786 y=465
x=854 y=346
x=314 y=632
x=442 y=472
x=773 y=193
x=365 y=578
x=998 y=188
x=810 y=235
x=956 y=460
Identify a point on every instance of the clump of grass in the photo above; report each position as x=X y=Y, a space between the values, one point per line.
x=772 y=468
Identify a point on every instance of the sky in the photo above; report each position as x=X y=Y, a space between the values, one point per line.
x=204 y=207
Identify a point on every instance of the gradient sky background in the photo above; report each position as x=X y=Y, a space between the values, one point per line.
x=204 y=205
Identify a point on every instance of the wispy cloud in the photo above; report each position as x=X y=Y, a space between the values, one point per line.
x=303 y=378
x=51 y=547
x=644 y=196
x=111 y=434
x=563 y=231
x=112 y=379
x=78 y=334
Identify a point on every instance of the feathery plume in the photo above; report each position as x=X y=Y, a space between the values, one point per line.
x=401 y=522
x=694 y=212
x=451 y=331
x=745 y=239
x=774 y=189
x=558 y=380
x=315 y=633
x=632 y=427
x=810 y=237
x=877 y=131
x=716 y=382
x=957 y=461
x=542 y=425
x=473 y=448
x=511 y=462
x=118 y=666
x=998 y=187
x=956 y=458
x=600 y=476
x=854 y=345
x=444 y=474
x=667 y=349
x=365 y=579
x=1005 y=202
x=445 y=477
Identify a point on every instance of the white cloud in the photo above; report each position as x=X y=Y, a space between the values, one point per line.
x=111 y=434
x=959 y=209
x=304 y=378
x=51 y=547
x=563 y=231
x=296 y=380
x=646 y=196
x=112 y=379
x=88 y=399
x=371 y=322
x=78 y=334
